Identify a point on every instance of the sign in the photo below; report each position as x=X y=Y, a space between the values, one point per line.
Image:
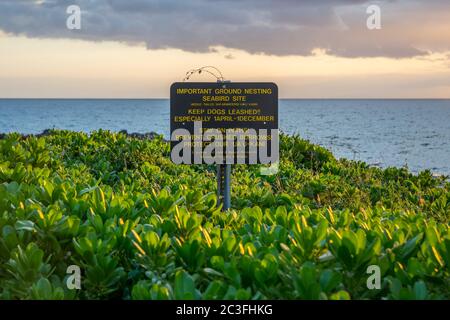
x=224 y=122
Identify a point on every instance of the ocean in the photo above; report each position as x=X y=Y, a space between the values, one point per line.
x=412 y=133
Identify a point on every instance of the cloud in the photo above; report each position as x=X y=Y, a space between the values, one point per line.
x=282 y=27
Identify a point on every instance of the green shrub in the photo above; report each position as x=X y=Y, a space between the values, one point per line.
x=140 y=227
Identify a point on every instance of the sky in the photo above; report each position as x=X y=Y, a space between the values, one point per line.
x=311 y=49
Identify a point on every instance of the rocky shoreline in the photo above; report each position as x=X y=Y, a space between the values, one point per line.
x=152 y=135
x=147 y=136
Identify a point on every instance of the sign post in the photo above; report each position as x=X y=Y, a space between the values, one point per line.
x=224 y=123
x=224 y=185
x=224 y=180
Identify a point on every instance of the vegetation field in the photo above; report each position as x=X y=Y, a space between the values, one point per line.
x=141 y=227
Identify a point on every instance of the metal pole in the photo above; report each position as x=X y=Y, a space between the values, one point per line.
x=227 y=187
x=224 y=181
x=224 y=185
x=219 y=177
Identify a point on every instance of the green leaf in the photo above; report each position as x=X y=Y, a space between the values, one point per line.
x=329 y=280
x=184 y=286
x=340 y=295
x=321 y=232
x=87 y=190
x=25 y=225
x=213 y=290
x=432 y=235
x=410 y=246
x=420 y=290
x=212 y=272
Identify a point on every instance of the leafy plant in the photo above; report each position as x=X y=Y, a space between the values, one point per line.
x=140 y=227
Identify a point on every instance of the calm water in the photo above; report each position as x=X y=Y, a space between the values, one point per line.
x=415 y=133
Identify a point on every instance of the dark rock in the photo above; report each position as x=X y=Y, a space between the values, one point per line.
x=147 y=135
x=44 y=133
